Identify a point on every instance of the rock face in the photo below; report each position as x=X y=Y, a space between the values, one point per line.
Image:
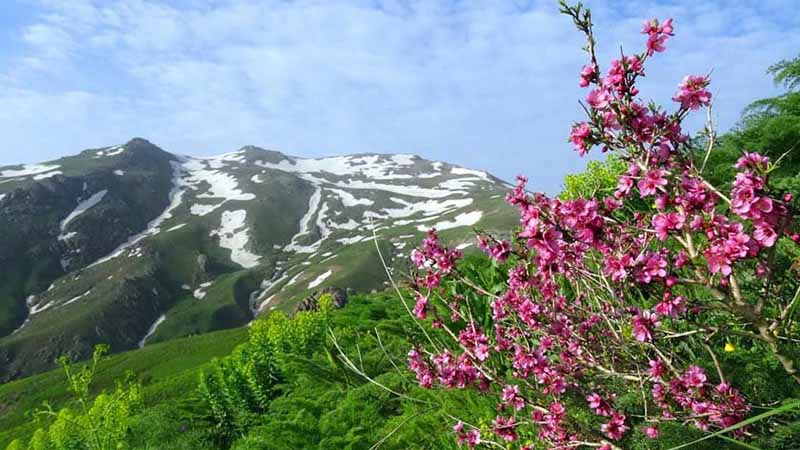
x=97 y=247
x=311 y=303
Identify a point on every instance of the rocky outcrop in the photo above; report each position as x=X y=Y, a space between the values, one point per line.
x=311 y=303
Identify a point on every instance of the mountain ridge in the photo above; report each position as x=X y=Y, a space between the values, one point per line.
x=131 y=244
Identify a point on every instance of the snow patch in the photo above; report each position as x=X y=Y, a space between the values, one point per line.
x=317 y=281
x=234 y=236
x=82 y=208
x=369 y=166
x=36 y=309
x=349 y=225
x=349 y=199
x=413 y=191
x=111 y=151
x=294 y=278
x=200 y=292
x=426 y=208
x=352 y=240
x=75 y=299
x=27 y=170
x=461 y=220
x=152 y=329
x=67 y=236
x=463 y=171
x=201 y=210
x=43 y=176
x=305 y=223
x=220 y=185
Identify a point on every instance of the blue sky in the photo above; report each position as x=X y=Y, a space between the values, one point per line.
x=485 y=84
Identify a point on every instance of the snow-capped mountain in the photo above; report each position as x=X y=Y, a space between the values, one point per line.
x=131 y=244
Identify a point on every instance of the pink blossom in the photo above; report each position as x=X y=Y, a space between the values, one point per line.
x=654 y=265
x=588 y=74
x=644 y=324
x=694 y=377
x=657 y=34
x=692 y=93
x=421 y=307
x=580 y=134
x=420 y=368
x=655 y=43
x=651 y=182
x=615 y=428
x=512 y=398
x=616 y=267
x=472 y=437
x=657 y=368
x=598 y=404
x=663 y=223
x=599 y=99
x=504 y=428
x=671 y=306
x=752 y=161
x=651 y=431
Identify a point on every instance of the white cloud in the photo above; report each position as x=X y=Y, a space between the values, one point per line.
x=486 y=84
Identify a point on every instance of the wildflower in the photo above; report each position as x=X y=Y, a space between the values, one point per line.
x=504 y=428
x=579 y=137
x=512 y=398
x=421 y=307
x=694 y=377
x=599 y=99
x=615 y=428
x=651 y=431
x=651 y=182
x=692 y=93
x=588 y=74
x=644 y=324
x=663 y=223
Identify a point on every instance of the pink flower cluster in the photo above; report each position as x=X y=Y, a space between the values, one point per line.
x=720 y=406
x=749 y=202
x=471 y=437
x=657 y=34
x=498 y=250
x=692 y=93
x=433 y=254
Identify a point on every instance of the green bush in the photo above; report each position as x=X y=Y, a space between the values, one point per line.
x=99 y=424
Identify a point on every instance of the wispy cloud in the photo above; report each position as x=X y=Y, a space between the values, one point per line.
x=488 y=84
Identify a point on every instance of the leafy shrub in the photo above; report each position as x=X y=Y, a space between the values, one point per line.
x=99 y=424
x=239 y=387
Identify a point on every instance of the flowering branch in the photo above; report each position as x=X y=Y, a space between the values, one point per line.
x=600 y=289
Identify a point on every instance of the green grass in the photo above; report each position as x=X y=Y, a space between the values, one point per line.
x=168 y=371
x=224 y=306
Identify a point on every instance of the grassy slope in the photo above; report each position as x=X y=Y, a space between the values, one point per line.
x=168 y=371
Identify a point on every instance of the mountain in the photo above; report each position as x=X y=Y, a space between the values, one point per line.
x=130 y=244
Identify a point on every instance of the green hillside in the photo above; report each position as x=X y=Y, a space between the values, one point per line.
x=168 y=370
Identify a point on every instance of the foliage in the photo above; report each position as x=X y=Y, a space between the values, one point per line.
x=241 y=386
x=167 y=371
x=598 y=180
x=101 y=424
